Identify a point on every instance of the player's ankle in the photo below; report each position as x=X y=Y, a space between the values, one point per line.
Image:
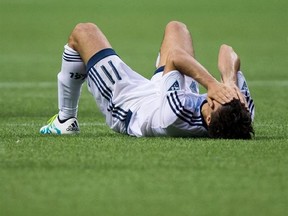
x=63 y=120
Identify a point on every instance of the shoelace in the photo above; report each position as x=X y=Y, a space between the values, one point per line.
x=50 y=121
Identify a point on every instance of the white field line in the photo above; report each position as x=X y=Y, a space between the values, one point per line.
x=24 y=85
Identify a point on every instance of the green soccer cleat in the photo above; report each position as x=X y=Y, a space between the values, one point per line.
x=54 y=126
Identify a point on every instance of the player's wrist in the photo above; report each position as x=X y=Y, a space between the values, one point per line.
x=211 y=83
x=228 y=77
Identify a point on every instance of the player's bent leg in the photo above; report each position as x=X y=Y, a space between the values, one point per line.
x=55 y=126
x=176 y=35
x=87 y=39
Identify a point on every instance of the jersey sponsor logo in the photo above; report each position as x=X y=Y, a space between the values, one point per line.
x=244 y=86
x=175 y=86
x=193 y=87
x=78 y=76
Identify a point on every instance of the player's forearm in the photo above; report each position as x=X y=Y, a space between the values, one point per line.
x=228 y=64
x=189 y=66
x=228 y=77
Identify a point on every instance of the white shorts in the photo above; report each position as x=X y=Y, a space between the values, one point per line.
x=117 y=89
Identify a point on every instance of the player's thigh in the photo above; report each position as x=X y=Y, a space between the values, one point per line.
x=88 y=39
x=176 y=35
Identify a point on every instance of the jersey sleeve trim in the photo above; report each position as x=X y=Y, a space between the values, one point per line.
x=160 y=69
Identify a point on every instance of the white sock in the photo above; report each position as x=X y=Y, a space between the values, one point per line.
x=157 y=60
x=70 y=80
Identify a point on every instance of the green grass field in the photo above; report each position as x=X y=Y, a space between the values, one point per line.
x=100 y=172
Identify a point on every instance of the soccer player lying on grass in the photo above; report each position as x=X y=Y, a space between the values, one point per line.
x=167 y=105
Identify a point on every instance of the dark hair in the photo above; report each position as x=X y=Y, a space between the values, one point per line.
x=231 y=121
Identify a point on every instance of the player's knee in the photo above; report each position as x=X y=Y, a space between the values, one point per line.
x=176 y=26
x=226 y=48
x=81 y=31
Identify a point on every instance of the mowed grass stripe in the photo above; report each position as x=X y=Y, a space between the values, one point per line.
x=27 y=124
x=95 y=123
x=24 y=85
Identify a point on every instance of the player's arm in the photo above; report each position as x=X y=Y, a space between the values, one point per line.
x=229 y=65
x=179 y=59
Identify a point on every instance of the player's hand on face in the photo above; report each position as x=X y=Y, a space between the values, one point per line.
x=238 y=95
x=218 y=92
x=223 y=93
x=241 y=96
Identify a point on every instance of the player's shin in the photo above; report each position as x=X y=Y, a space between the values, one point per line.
x=70 y=80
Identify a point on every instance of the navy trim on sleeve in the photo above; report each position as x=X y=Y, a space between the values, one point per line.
x=99 y=56
x=160 y=69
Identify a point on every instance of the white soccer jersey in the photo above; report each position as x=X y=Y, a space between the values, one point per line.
x=168 y=105
x=243 y=86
